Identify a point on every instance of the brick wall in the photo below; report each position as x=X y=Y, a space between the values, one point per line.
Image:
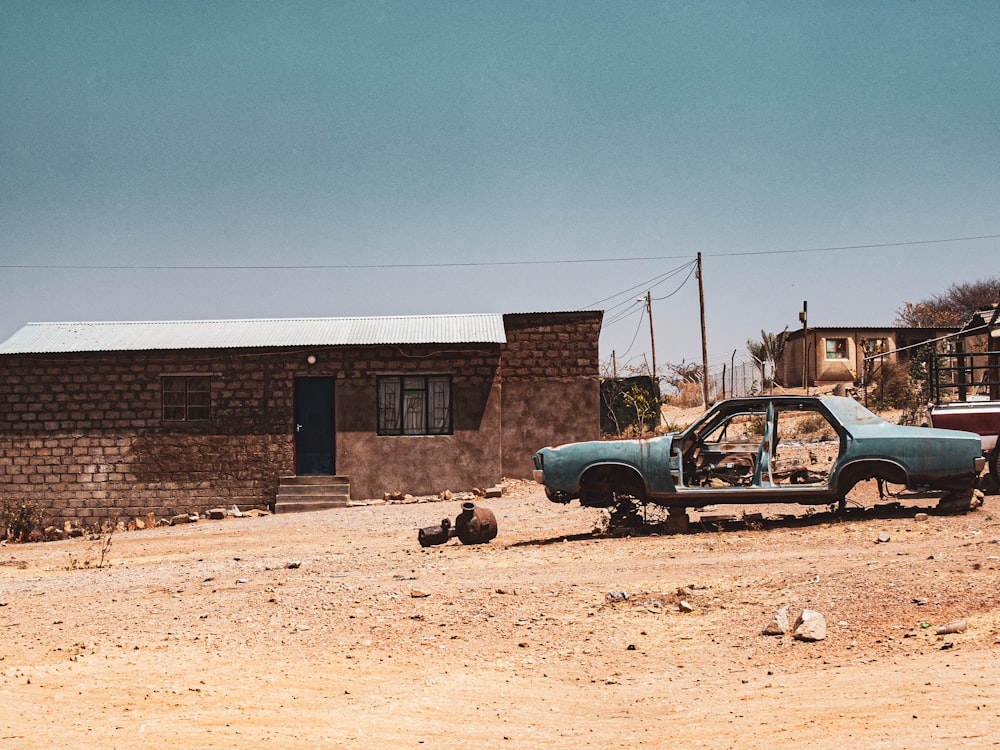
x=551 y=384
x=82 y=435
x=561 y=346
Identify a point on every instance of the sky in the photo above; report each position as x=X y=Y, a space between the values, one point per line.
x=220 y=160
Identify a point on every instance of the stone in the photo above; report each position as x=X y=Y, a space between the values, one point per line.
x=882 y=538
x=921 y=517
x=958 y=626
x=779 y=624
x=495 y=491
x=182 y=518
x=811 y=626
x=216 y=514
x=235 y=512
x=685 y=606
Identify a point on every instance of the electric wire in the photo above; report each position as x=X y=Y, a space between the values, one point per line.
x=474 y=264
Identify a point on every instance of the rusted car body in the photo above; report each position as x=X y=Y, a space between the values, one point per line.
x=735 y=454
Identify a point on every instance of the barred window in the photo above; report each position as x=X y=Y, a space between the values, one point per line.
x=186 y=398
x=414 y=405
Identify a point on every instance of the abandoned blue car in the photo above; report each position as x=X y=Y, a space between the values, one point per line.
x=771 y=449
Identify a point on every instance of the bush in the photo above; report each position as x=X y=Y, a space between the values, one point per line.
x=690 y=395
x=893 y=388
x=18 y=520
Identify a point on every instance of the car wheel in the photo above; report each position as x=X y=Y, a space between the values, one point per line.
x=994 y=475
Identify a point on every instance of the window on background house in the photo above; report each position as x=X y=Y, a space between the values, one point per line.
x=873 y=346
x=414 y=405
x=836 y=348
x=186 y=398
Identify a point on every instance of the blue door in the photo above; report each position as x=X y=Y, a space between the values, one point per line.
x=314 y=426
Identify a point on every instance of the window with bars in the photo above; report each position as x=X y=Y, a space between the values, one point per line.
x=414 y=405
x=186 y=398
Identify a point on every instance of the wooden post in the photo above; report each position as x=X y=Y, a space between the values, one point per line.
x=652 y=342
x=804 y=317
x=704 y=335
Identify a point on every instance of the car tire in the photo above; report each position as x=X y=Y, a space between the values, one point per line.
x=992 y=480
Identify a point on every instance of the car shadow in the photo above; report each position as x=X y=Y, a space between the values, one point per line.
x=715 y=524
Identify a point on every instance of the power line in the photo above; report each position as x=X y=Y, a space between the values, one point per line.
x=854 y=247
x=647 y=285
x=470 y=264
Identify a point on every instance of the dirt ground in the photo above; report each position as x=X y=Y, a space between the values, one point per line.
x=336 y=629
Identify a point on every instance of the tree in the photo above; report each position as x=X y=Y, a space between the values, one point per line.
x=953 y=307
x=767 y=351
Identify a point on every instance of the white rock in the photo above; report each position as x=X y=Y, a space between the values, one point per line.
x=778 y=625
x=811 y=626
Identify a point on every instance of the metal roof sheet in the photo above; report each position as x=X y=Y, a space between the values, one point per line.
x=54 y=338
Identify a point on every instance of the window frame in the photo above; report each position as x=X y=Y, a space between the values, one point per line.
x=187 y=404
x=411 y=405
x=832 y=355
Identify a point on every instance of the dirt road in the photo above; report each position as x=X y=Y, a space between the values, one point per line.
x=336 y=629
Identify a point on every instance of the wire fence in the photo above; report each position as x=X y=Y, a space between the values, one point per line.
x=682 y=383
x=733 y=380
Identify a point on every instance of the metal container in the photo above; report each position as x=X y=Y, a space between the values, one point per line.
x=475 y=525
x=436 y=534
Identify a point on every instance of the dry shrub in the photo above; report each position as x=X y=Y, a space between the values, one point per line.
x=690 y=395
x=813 y=424
x=893 y=388
x=18 y=520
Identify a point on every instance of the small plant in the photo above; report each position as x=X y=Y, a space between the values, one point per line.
x=103 y=537
x=19 y=520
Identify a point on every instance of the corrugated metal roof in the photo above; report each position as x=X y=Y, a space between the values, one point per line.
x=53 y=338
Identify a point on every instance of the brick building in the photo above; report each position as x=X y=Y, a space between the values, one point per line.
x=104 y=419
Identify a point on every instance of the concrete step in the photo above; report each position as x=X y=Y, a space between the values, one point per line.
x=308 y=493
x=314 y=489
x=321 y=480
x=308 y=504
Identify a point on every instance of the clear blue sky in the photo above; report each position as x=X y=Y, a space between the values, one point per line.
x=285 y=159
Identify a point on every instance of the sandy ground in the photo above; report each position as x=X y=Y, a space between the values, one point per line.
x=336 y=629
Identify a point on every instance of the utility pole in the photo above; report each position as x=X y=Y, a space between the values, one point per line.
x=652 y=341
x=804 y=317
x=704 y=334
x=614 y=365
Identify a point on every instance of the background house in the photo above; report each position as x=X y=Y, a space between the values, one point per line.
x=835 y=355
x=103 y=419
